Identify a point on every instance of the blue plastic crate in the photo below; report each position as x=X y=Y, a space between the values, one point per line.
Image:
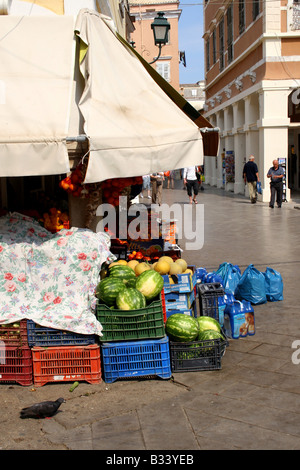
x=42 y=336
x=131 y=359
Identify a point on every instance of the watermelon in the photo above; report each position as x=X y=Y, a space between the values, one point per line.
x=150 y=283
x=208 y=323
x=125 y=273
x=108 y=289
x=130 y=299
x=208 y=337
x=182 y=328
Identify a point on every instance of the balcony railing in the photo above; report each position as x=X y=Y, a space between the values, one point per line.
x=295 y=17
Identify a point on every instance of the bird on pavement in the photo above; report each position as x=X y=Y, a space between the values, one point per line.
x=45 y=409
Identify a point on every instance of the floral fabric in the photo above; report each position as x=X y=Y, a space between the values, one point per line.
x=50 y=278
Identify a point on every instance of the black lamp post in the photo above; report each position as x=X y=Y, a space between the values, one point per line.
x=160 y=28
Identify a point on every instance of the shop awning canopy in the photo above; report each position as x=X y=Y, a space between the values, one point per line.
x=134 y=124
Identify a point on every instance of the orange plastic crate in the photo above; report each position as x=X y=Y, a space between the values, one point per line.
x=15 y=365
x=66 y=364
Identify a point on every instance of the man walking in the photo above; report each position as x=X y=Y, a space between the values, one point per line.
x=251 y=177
x=276 y=173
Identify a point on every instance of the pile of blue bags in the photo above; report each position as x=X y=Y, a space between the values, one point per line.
x=241 y=291
x=253 y=285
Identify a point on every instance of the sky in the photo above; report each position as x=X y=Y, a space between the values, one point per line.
x=190 y=32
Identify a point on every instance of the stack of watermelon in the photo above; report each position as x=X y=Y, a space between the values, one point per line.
x=183 y=328
x=123 y=290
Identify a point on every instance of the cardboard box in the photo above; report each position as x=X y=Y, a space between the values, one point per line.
x=179 y=301
x=183 y=283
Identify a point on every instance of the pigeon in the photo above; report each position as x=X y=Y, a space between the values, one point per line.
x=45 y=409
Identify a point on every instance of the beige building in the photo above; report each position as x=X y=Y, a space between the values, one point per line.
x=252 y=73
x=194 y=93
x=144 y=12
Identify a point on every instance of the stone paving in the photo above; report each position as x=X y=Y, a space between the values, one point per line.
x=252 y=403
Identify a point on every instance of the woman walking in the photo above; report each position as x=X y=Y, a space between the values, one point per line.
x=191 y=183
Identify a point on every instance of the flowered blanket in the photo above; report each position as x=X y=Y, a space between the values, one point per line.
x=50 y=278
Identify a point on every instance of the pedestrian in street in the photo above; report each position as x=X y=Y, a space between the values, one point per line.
x=276 y=173
x=170 y=178
x=251 y=177
x=157 y=186
x=191 y=182
x=146 y=186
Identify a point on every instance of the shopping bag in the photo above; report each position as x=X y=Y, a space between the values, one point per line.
x=251 y=286
x=273 y=285
x=258 y=187
x=230 y=275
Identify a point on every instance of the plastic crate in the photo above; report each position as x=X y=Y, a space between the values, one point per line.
x=14 y=334
x=66 y=364
x=208 y=299
x=136 y=359
x=123 y=325
x=197 y=355
x=15 y=365
x=42 y=336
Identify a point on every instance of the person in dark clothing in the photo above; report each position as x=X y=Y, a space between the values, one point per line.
x=276 y=173
x=251 y=177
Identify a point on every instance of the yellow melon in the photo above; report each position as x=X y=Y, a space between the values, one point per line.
x=133 y=263
x=162 y=266
x=141 y=267
x=175 y=268
x=168 y=259
x=182 y=263
x=188 y=271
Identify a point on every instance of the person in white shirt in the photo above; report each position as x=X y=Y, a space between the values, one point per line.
x=191 y=183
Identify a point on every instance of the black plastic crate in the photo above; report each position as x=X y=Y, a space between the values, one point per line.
x=197 y=355
x=208 y=299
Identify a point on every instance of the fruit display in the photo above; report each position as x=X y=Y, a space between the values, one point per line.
x=129 y=286
x=55 y=220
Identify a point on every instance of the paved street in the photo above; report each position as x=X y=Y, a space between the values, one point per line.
x=253 y=402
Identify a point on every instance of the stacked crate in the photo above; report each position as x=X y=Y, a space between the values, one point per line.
x=134 y=343
x=180 y=296
x=63 y=356
x=15 y=354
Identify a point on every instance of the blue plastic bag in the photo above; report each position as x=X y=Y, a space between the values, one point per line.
x=231 y=276
x=251 y=286
x=258 y=187
x=212 y=277
x=273 y=285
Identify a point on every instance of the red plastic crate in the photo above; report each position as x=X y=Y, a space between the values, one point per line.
x=14 y=335
x=66 y=364
x=163 y=302
x=16 y=365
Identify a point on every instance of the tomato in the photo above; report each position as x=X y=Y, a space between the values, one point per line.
x=139 y=255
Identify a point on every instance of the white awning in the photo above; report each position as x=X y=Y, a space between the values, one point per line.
x=36 y=78
x=134 y=128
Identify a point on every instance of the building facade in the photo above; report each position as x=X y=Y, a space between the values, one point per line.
x=194 y=93
x=143 y=13
x=252 y=74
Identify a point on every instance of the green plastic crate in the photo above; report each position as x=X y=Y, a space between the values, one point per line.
x=124 y=325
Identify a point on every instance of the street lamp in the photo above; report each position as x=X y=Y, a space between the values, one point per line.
x=160 y=28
